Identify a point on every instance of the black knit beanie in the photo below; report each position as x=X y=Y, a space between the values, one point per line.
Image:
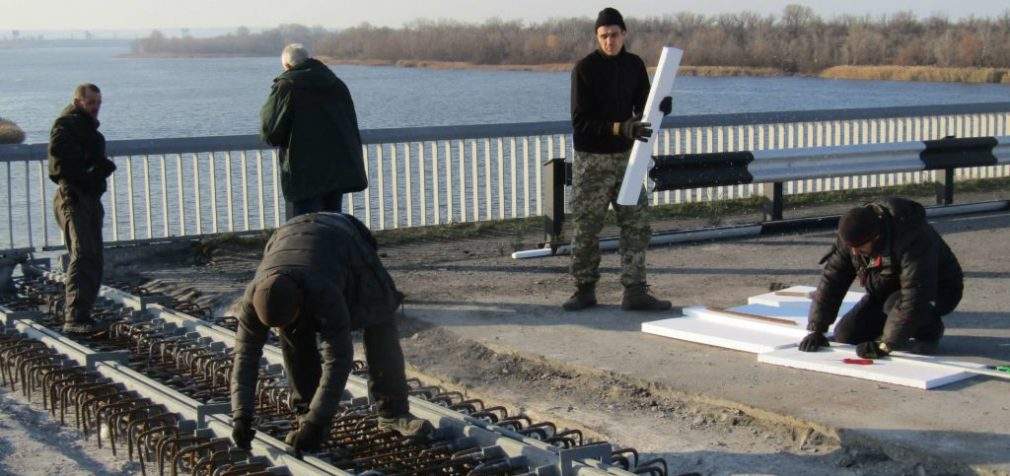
x=610 y=16
x=858 y=226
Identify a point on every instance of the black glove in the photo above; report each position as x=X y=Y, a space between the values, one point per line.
x=307 y=437
x=104 y=167
x=813 y=341
x=242 y=432
x=635 y=129
x=872 y=350
x=666 y=106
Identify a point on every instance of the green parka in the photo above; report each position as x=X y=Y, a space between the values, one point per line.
x=310 y=117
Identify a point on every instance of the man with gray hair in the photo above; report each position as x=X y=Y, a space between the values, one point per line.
x=310 y=117
x=77 y=162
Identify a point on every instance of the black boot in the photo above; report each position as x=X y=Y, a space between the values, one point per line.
x=585 y=296
x=637 y=298
x=408 y=425
x=82 y=325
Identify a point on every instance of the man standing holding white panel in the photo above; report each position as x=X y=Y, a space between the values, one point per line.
x=609 y=90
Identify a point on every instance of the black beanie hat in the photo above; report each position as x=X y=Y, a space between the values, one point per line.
x=277 y=300
x=859 y=226
x=610 y=16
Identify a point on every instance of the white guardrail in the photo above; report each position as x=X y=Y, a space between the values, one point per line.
x=167 y=188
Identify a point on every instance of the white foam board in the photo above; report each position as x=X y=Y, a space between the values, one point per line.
x=640 y=160
x=795 y=312
x=773 y=299
x=894 y=370
x=704 y=331
x=794 y=332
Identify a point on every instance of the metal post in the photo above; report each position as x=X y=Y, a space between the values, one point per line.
x=945 y=188
x=776 y=201
x=554 y=201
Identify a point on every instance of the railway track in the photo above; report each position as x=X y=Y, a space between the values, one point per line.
x=156 y=382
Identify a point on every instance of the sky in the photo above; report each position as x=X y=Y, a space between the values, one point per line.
x=127 y=15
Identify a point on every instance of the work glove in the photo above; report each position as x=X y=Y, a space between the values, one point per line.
x=104 y=167
x=242 y=432
x=635 y=129
x=307 y=437
x=813 y=341
x=872 y=350
x=666 y=106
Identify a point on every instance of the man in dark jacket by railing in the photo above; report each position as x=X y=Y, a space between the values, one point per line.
x=77 y=162
x=310 y=117
x=911 y=277
x=321 y=278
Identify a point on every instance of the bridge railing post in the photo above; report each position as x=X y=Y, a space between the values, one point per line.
x=555 y=176
x=945 y=187
x=776 y=201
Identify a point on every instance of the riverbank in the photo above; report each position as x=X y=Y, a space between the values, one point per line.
x=933 y=74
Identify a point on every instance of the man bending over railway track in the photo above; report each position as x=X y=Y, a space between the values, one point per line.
x=321 y=278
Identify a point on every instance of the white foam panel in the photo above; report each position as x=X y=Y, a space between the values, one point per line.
x=703 y=331
x=893 y=370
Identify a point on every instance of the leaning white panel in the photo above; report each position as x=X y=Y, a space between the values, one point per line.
x=703 y=331
x=641 y=152
x=797 y=313
x=797 y=294
x=760 y=327
x=894 y=370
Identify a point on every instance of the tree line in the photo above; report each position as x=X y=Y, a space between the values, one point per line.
x=794 y=41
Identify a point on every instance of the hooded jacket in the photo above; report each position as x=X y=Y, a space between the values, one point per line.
x=910 y=258
x=310 y=116
x=332 y=258
x=77 y=153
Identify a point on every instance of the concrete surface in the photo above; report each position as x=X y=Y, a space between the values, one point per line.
x=515 y=305
x=494 y=325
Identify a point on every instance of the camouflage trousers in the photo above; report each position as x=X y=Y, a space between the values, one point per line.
x=596 y=180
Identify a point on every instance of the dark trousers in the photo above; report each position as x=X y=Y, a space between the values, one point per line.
x=80 y=218
x=327 y=202
x=387 y=382
x=867 y=319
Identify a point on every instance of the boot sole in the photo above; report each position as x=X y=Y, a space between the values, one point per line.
x=573 y=308
x=631 y=308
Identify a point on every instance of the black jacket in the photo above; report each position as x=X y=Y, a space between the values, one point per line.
x=606 y=90
x=310 y=116
x=911 y=258
x=77 y=153
x=332 y=257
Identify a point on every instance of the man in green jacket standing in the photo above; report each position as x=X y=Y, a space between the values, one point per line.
x=77 y=162
x=310 y=117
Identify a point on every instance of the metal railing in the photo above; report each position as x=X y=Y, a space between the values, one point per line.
x=166 y=188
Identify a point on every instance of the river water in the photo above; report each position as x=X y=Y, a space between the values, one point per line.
x=148 y=98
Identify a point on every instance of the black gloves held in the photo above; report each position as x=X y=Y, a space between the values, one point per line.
x=105 y=167
x=242 y=432
x=813 y=341
x=666 y=105
x=872 y=350
x=307 y=437
x=635 y=129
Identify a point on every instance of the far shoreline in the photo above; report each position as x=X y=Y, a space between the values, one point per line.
x=847 y=72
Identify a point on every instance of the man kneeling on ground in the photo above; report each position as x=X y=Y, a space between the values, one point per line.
x=911 y=276
x=320 y=278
